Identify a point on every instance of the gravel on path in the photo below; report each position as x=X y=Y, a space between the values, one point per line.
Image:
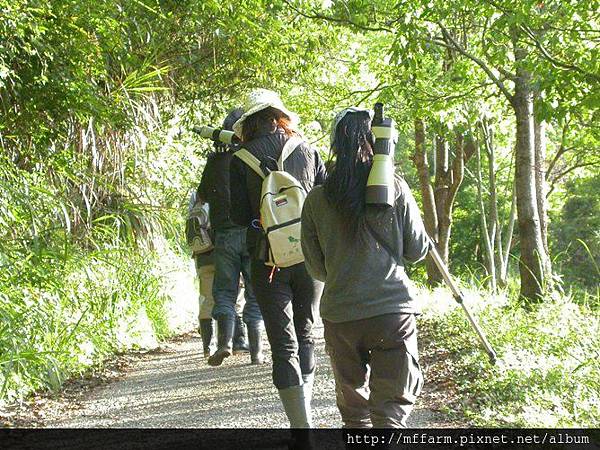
x=176 y=388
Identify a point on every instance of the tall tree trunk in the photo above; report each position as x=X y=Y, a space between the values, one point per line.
x=494 y=217
x=540 y=185
x=509 y=238
x=496 y=229
x=533 y=255
x=430 y=217
x=441 y=193
x=486 y=233
x=447 y=184
x=438 y=199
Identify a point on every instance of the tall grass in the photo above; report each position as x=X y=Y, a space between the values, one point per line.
x=89 y=251
x=97 y=305
x=548 y=369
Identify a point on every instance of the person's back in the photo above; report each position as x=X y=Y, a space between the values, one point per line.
x=303 y=164
x=205 y=272
x=287 y=296
x=214 y=187
x=231 y=260
x=361 y=278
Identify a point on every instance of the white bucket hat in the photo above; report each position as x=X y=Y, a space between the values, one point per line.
x=258 y=100
x=339 y=116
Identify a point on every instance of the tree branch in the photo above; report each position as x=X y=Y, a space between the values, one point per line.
x=562 y=174
x=555 y=62
x=562 y=149
x=447 y=97
x=458 y=170
x=317 y=16
x=456 y=46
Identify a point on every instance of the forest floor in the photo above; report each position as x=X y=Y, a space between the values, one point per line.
x=174 y=387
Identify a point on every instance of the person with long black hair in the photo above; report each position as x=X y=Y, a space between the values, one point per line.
x=368 y=304
x=287 y=296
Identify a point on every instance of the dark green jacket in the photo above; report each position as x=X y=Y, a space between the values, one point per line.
x=361 y=278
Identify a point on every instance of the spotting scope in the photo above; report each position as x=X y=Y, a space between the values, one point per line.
x=217 y=134
x=380 y=184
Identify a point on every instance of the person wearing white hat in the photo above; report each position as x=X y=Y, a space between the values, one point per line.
x=288 y=297
x=369 y=305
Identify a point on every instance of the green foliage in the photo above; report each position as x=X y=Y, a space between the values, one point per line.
x=577 y=233
x=454 y=63
x=95 y=162
x=548 y=363
x=85 y=310
x=95 y=168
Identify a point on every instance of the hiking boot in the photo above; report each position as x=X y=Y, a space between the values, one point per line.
x=307 y=386
x=206 y=333
x=255 y=340
x=240 y=340
x=294 y=405
x=224 y=341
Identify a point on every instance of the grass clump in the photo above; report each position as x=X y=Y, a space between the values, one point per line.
x=96 y=305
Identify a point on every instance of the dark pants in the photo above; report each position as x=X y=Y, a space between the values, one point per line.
x=231 y=259
x=288 y=305
x=376 y=369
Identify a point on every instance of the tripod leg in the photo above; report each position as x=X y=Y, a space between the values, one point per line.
x=458 y=296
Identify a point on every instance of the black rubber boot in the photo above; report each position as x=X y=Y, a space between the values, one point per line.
x=224 y=341
x=240 y=339
x=206 y=332
x=255 y=341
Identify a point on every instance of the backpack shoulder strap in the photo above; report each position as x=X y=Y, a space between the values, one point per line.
x=252 y=161
x=289 y=147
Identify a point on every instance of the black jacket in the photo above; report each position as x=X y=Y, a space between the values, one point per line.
x=214 y=189
x=304 y=164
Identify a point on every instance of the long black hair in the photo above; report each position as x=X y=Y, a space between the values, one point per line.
x=347 y=180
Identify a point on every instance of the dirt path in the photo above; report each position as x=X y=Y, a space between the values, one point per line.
x=175 y=388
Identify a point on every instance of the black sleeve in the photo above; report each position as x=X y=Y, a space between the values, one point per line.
x=321 y=172
x=205 y=187
x=241 y=209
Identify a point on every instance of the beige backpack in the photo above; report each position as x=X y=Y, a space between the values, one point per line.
x=281 y=200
